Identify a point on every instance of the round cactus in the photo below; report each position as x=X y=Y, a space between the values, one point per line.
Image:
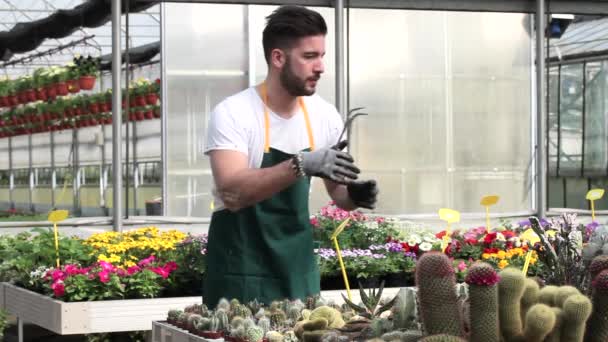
x=576 y=310
x=597 y=327
x=483 y=296
x=437 y=298
x=442 y=338
x=598 y=264
x=563 y=293
x=255 y=334
x=547 y=295
x=556 y=334
x=264 y=323
x=277 y=318
x=530 y=296
x=540 y=320
x=333 y=316
x=274 y=336
x=510 y=291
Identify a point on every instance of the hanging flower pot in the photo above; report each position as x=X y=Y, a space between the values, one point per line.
x=104 y=107
x=139 y=115
x=13 y=100
x=4 y=101
x=94 y=108
x=151 y=98
x=41 y=94
x=22 y=96
x=149 y=114
x=157 y=112
x=62 y=88
x=140 y=100
x=51 y=91
x=86 y=82
x=73 y=85
x=31 y=95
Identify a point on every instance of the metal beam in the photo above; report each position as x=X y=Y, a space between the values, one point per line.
x=596 y=7
x=116 y=117
x=163 y=110
x=339 y=47
x=541 y=152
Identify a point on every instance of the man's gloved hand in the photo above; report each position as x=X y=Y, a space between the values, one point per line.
x=363 y=193
x=330 y=163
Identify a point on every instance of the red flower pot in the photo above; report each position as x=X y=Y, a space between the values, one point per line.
x=103 y=107
x=4 y=101
x=62 y=88
x=157 y=113
x=31 y=95
x=51 y=91
x=94 y=108
x=41 y=94
x=140 y=101
x=139 y=115
x=13 y=100
x=151 y=98
x=73 y=85
x=86 y=82
x=22 y=96
x=149 y=114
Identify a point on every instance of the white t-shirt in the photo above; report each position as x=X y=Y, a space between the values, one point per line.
x=237 y=123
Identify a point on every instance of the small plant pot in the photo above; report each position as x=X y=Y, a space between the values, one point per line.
x=139 y=115
x=86 y=82
x=51 y=91
x=4 y=101
x=31 y=95
x=151 y=98
x=22 y=96
x=211 y=334
x=41 y=94
x=62 y=88
x=94 y=108
x=13 y=100
x=73 y=86
x=104 y=107
x=140 y=101
x=149 y=115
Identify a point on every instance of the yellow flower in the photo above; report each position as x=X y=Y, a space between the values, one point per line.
x=485 y=256
x=502 y=264
x=501 y=255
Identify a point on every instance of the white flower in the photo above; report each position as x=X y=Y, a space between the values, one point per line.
x=414 y=240
x=500 y=237
x=429 y=238
x=371 y=224
x=425 y=246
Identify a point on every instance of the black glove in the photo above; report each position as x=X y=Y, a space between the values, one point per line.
x=363 y=193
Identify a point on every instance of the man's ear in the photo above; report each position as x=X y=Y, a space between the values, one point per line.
x=278 y=58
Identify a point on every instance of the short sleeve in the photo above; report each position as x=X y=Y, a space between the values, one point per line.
x=224 y=133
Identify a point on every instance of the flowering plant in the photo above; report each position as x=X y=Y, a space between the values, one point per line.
x=103 y=280
x=361 y=231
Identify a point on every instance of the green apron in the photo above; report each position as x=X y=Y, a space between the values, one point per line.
x=265 y=251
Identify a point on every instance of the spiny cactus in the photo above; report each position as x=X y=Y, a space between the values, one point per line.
x=547 y=295
x=576 y=311
x=402 y=336
x=442 y=338
x=277 y=318
x=530 y=296
x=223 y=304
x=404 y=309
x=294 y=313
x=240 y=310
x=540 y=320
x=193 y=321
x=173 y=315
x=598 y=264
x=274 y=336
x=333 y=316
x=563 y=293
x=223 y=321
x=482 y=280
x=380 y=326
x=214 y=324
x=438 y=303
x=510 y=291
x=255 y=334
x=234 y=302
x=236 y=321
x=264 y=323
x=597 y=326
x=556 y=334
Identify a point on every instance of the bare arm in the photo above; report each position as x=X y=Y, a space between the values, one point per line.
x=240 y=186
x=339 y=194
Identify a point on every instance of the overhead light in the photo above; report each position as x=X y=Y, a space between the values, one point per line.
x=558 y=25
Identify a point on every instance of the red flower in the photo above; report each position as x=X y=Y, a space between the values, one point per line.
x=471 y=241
x=490 y=237
x=104 y=276
x=58 y=288
x=441 y=234
x=490 y=250
x=508 y=234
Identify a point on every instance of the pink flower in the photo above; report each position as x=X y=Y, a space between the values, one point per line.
x=106 y=266
x=171 y=266
x=146 y=261
x=133 y=269
x=58 y=275
x=121 y=272
x=462 y=266
x=160 y=271
x=314 y=222
x=58 y=288
x=380 y=219
x=104 y=276
x=72 y=269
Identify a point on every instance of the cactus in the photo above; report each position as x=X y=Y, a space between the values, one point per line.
x=563 y=293
x=333 y=316
x=371 y=301
x=483 y=295
x=241 y=310
x=438 y=303
x=239 y=332
x=510 y=291
x=173 y=315
x=290 y=336
x=540 y=320
x=530 y=296
x=306 y=314
x=597 y=326
x=223 y=321
x=556 y=334
x=236 y=322
x=316 y=324
x=313 y=336
x=214 y=324
x=223 y=304
x=274 y=336
x=204 y=324
x=403 y=336
x=547 y=295
x=294 y=313
x=193 y=321
x=248 y=322
x=598 y=264
x=576 y=311
x=264 y=323
x=255 y=334
x=442 y=338
x=404 y=309
x=234 y=302
x=380 y=326
x=182 y=320
x=277 y=318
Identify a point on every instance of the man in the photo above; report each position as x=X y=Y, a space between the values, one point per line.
x=264 y=144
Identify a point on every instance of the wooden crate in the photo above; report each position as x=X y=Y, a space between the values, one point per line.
x=89 y=317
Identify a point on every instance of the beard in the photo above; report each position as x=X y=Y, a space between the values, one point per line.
x=294 y=85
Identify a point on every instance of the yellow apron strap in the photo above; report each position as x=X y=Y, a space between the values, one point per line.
x=311 y=139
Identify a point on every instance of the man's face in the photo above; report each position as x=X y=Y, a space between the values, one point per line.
x=303 y=66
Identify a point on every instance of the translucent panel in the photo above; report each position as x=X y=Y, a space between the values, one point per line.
x=552 y=120
x=449 y=104
x=576 y=188
x=89 y=145
x=570 y=139
x=556 y=188
x=196 y=81
x=20 y=152
x=41 y=149
x=4 y=154
x=596 y=123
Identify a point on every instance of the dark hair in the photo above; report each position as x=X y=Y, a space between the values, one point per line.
x=289 y=23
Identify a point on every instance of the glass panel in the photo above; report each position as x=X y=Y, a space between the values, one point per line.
x=41 y=150
x=552 y=121
x=469 y=111
x=576 y=188
x=596 y=144
x=20 y=151
x=570 y=142
x=556 y=192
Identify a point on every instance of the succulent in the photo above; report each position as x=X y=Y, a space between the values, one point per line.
x=333 y=316
x=482 y=280
x=173 y=315
x=404 y=309
x=274 y=336
x=597 y=328
x=255 y=334
x=277 y=318
x=223 y=304
x=576 y=311
x=264 y=323
x=370 y=308
x=193 y=321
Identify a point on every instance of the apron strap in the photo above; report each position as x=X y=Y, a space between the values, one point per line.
x=311 y=139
